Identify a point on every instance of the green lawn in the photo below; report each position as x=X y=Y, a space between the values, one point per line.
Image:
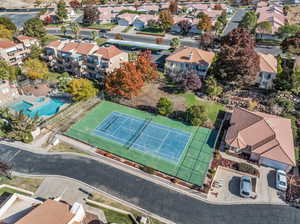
x=101 y=26
x=114 y=217
x=30 y=184
x=211 y=107
x=152 y=31
x=100 y=41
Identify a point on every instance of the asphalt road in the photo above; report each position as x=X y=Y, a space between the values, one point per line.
x=131 y=37
x=235 y=20
x=164 y=202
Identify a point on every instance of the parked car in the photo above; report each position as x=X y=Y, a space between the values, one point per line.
x=281 y=180
x=245 y=187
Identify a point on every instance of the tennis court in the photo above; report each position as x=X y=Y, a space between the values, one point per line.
x=140 y=134
x=167 y=145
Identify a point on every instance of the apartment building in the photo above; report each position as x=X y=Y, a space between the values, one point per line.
x=15 y=51
x=189 y=59
x=83 y=59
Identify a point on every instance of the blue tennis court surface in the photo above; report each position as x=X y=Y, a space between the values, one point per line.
x=140 y=134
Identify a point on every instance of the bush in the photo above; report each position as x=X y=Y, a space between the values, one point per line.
x=164 y=106
x=148 y=169
x=196 y=115
x=244 y=167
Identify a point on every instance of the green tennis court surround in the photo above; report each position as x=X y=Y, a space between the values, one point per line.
x=188 y=160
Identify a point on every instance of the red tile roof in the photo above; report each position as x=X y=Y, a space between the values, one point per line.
x=268 y=135
x=109 y=52
x=22 y=38
x=7 y=44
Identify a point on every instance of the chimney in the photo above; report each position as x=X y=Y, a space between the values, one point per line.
x=190 y=55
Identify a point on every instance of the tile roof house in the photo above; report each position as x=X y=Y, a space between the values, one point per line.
x=83 y=58
x=267 y=138
x=15 y=52
x=20 y=209
x=272 y=14
x=267 y=70
x=189 y=59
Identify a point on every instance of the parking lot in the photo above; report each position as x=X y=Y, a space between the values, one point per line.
x=228 y=187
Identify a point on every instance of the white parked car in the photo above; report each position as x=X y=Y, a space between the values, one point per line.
x=281 y=180
x=245 y=187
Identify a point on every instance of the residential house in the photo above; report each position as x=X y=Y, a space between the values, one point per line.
x=266 y=138
x=189 y=59
x=12 y=52
x=27 y=42
x=194 y=28
x=8 y=91
x=176 y=26
x=126 y=19
x=21 y=209
x=267 y=70
x=213 y=14
x=141 y=22
x=49 y=17
x=148 y=8
x=83 y=59
x=105 y=60
x=274 y=15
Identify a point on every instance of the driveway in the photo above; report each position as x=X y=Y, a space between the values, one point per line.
x=234 y=22
x=230 y=191
x=155 y=198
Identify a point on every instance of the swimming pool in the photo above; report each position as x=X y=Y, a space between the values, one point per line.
x=48 y=109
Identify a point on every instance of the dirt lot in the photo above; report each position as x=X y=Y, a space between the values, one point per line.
x=294 y=15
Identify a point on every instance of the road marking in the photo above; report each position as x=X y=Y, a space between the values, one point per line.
x=11 y=158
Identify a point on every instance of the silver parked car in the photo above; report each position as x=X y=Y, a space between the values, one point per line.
x=245 y=187
x=281 y=180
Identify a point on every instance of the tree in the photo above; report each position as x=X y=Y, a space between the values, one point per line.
x=249 y=21
x=186 y=81
x=8 y=24
x=118 y=36
x=48 y=20
x=5 y=33
x=264 y=27
x=125 y=81
x=185 y=26
x=288 y=30
x=175 y=43
x=205 y=23
x=34 y=28
x=94 y=34
x=75 y=28
x=237 y=61
x=221 y=22
x=212 y=89
x=61 y=13
x=7 y=72
x=291 y=44
x=63 y=81
x=35 y=52
x=63 y=29
x=146 y=67
x=173 y=7
x=75 y=4
x=165 y=20
x=90 y=15
x=296 y=81
x=152 y=23
x=81 y=89
x=206 y=41
x=164 y=106
x=196 y=115
x=35 y=69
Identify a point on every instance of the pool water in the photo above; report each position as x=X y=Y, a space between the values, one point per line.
x=48 y=109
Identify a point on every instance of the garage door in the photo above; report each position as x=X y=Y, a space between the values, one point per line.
x=273 y=164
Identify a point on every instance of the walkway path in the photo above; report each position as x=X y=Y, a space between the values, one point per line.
x=155 y=198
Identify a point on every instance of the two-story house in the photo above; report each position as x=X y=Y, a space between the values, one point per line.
x=267 y=70
x=83 y=59
x=189 y=59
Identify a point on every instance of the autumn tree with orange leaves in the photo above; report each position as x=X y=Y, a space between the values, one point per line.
x=145 y=65
x=205 y=23
x=125 y=81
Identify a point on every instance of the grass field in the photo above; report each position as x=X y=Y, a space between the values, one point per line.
x=212 y=108
x=193 y=163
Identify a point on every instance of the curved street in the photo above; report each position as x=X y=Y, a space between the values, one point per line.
x=150 y=196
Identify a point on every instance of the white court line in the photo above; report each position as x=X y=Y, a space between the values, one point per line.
x=16 y=153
